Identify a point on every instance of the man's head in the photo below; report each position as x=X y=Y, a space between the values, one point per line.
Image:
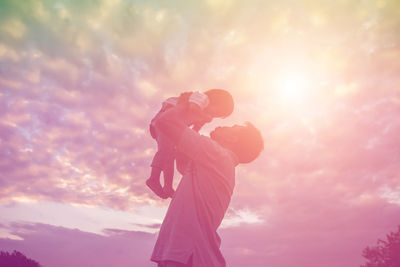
x=221 y=103
x=245 y=141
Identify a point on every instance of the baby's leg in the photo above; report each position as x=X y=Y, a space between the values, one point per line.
x=168 y=172
x=153 y=182
x=163 y=161
x=157 y=165
x=167 y=149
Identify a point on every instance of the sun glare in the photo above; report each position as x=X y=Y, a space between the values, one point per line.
x=292 y=87
x=290 y=84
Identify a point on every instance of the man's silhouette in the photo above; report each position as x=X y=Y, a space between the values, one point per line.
x=188 y=234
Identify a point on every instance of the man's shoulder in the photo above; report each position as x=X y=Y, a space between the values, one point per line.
x=204 y=146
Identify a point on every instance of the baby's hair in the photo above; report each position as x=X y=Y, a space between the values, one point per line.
x=221 y=99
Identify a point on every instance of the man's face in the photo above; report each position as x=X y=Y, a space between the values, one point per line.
x=226 y=134
x=214 y=111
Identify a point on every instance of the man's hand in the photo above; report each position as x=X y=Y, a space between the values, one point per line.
x=203 y=120
x=200 y=99
x=192 y=104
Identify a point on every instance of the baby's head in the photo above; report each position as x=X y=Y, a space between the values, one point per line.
x=221 y=103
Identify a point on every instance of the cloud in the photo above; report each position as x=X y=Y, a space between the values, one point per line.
x=283 y=241
x=151 y=226
x=310 y=236
x=235 y=218
x=59 y=246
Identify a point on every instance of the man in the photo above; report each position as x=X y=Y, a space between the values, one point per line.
x=188 y=234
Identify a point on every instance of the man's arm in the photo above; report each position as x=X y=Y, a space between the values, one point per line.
x=173 y=123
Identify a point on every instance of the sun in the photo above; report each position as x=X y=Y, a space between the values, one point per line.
x=289 y=85
x=292 y=87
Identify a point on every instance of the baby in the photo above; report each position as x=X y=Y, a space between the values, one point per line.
x=214 y=103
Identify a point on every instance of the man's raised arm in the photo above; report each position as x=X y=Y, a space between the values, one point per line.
x=173 y=122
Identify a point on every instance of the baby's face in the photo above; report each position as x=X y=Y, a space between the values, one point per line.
x=212 y=111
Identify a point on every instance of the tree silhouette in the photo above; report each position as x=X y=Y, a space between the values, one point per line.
x=386 y=253
x=16 y=259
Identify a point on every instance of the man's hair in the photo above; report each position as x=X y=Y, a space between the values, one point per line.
x=222 y=99
x=250 y=143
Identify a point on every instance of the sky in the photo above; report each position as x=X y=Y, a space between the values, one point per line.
x=81 y=80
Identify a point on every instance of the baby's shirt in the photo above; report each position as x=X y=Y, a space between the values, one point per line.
x=199 y=99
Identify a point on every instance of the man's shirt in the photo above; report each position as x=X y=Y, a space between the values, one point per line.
x=199 y=204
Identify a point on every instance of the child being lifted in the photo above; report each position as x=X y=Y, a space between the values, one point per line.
x=214 y=103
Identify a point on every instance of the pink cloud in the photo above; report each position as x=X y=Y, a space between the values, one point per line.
x=310 y=236
x=58 y=246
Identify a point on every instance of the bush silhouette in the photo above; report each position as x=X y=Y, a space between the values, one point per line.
x=16 y=259
x=386 y=253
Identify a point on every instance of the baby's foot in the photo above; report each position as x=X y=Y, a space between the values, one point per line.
x=155 y=186
x=168 y=192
